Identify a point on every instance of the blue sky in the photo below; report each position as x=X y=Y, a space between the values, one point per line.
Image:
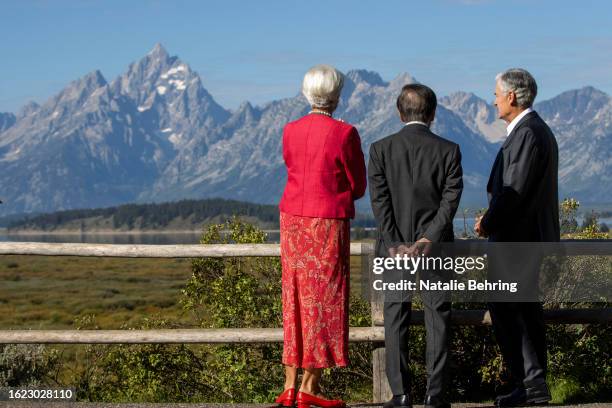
x=259 y=50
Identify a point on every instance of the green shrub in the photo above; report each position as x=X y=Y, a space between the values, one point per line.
x=580 y=362
x=148 y=373
x=26 y=365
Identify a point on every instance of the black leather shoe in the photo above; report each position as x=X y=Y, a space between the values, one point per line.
x=431 y=401
x=537 y=394
x=517 y=398
x=399 y=401
x=533 y=395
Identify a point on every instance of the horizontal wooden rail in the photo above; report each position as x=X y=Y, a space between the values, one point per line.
x=569 y=247
x=482 y=317
x=267 y=335
x=154 y=251
x=211 y=336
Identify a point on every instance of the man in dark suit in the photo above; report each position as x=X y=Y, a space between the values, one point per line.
x=415 y=180
x=523 y=207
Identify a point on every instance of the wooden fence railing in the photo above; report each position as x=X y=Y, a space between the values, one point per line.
x=373 y=334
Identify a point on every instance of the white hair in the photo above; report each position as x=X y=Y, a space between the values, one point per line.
x=322 y=85
x=521 y=83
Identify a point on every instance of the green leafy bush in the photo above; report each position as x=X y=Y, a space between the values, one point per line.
x=580 y=362
x=26 y=365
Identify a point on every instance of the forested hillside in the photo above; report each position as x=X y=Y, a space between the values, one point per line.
x=179 y=215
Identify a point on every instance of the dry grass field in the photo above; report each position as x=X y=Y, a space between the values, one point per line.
x=42 y=292
x=45 y=292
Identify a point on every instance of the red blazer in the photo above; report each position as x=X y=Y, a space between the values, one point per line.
x=325 y=168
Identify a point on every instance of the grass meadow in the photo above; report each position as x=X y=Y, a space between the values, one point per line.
x=53 y=292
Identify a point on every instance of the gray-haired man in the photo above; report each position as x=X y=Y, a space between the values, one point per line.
x=523 y=207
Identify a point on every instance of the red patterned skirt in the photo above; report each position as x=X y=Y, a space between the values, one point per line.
x=315 y=257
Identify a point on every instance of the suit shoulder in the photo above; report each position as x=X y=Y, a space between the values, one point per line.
x=530 y=131
x=533 y=123
x=448 y=143
x=443 y=142
x=385 y=141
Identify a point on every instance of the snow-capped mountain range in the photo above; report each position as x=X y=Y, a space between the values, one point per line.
x=155 y=134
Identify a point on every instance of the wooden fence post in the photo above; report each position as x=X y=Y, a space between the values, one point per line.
x=380 y=385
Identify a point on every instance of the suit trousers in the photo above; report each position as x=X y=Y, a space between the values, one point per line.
x=521 y=335
x=397 y=314
x=518 y=321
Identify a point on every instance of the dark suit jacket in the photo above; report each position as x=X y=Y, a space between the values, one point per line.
x=415 y=180
x=523 y=186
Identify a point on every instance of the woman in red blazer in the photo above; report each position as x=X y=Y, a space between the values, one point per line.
x=325 y=175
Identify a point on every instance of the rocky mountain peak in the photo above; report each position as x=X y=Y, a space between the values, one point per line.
x=361 y=75
x=156 y=79
x=584 y=99
x=573 y=106
x=143 y=75
x=91 y=81
x=247 y=110
x=478 y=115
x=158 y=52
x=467 y=103
x=402 y=79
x=459 y=99
x=27 y=109
x=77 y=92
x=6 y=121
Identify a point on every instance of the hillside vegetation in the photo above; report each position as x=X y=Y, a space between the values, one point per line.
x=179 y=216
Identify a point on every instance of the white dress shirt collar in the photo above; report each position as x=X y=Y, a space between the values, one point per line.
x=417 y=122
x=516 y=120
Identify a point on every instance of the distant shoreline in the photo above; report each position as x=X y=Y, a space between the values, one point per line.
x=4 y=231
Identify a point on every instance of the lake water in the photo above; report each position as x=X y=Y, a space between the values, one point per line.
x=123 y=238
x=186 y=237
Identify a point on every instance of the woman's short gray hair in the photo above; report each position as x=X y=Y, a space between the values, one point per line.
x=322 y=86
x=521 y=83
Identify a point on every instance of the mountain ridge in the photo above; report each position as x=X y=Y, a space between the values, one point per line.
x=154 y=133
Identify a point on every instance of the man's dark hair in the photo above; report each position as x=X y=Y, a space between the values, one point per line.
x=416 y=102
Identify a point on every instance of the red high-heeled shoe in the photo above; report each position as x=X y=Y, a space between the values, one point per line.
x=305 y=400
x=287 y=398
